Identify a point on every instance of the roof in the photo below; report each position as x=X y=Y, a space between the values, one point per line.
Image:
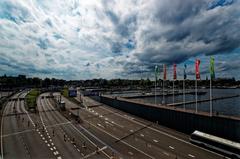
x=217 y=139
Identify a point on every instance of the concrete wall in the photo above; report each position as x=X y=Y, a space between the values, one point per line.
x=185 y=122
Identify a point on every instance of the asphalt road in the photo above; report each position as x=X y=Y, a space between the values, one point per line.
x=69 y=141
x=19 y=136
x=146 y=137
x=103 y=132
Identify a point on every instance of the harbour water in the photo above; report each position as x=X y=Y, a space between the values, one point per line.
x=230 y=106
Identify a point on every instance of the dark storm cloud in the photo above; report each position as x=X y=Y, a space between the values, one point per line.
x=185 y=29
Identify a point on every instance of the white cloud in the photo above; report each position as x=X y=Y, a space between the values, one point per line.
x=58 y=38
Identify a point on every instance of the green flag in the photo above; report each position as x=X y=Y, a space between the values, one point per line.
x=212 y=72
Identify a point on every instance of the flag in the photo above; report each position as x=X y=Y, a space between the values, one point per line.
x=184 y=71
x=164 y=72
x=174 y=71
x=197 y=63
x=212 y=72
x=157 y=71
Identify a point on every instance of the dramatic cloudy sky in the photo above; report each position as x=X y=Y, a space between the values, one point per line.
x=82 y=39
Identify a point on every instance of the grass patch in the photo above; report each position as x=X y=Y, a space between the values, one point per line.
x=31 y=98
x=65 y=92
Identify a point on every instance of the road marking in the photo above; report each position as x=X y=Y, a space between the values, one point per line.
x=20 y=132
x=156 y=130
x=130 y=153
x=93 y=153
x=122 y=141
x=165 y=153
x=2 y=129
x=190 y=155
x=155 y=141
x=100 y=125
x=171 y=147
x=59 y=157
x=142 y=135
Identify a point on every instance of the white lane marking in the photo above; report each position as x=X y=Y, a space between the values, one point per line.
x=165 y=153
x=155 y=141
x=122 y=141
x=59 y=157
x=171 y=147
x=2 y=129
x=93 y=153
x=190 y=155
x=142 y=135
x=100 y=125
x=130 y=153
x=131 y=130
x=20 y=132
x=156 y=130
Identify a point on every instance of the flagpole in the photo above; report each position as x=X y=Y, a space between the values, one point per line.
x=155 y=89
x=211 y=96
x=173 y=91
x=163 y=101
x=196 y=95
x=163 y=92
x=184 y=94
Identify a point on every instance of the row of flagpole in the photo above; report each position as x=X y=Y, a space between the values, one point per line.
x=197 y=73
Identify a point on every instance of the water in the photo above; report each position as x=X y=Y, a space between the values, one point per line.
x=230 y=106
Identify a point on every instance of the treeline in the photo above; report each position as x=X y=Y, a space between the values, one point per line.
x=12 y=82
x=147 y=83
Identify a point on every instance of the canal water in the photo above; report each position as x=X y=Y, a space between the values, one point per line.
x=230 y=106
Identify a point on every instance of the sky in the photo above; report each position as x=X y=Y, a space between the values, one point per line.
x=85 y=39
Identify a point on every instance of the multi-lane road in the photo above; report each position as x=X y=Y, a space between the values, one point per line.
x=103 y=132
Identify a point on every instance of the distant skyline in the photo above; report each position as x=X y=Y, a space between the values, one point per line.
x=84 y=39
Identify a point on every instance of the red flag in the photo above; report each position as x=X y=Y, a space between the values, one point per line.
x=174 y=71
x=197 y=63
x=165 y=72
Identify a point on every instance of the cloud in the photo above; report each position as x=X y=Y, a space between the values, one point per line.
x=82 y=39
